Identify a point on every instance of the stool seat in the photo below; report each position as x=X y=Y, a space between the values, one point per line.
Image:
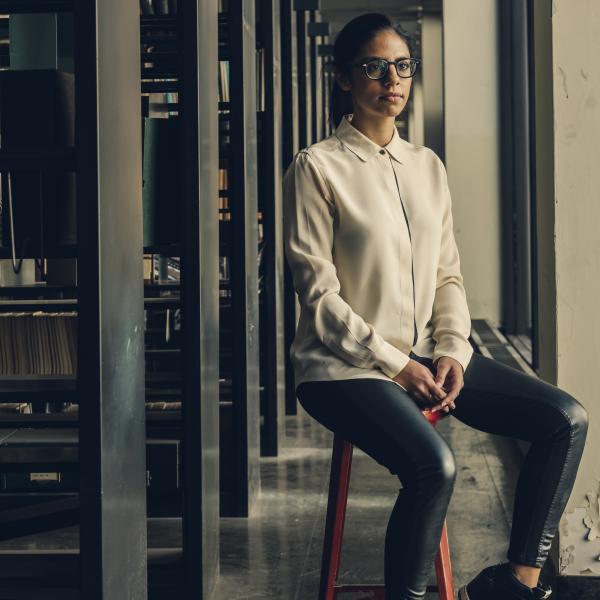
x=339 y=483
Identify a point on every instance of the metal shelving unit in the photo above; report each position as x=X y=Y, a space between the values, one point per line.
x=239 y=313
x=185 y=47
x=110 y=506
x=270 y=202
x=105 y=439
x=289 y=147
x=317 y=31
x=113 y=423
x=304 y=11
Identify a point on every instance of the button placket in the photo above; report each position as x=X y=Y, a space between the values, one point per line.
x=403 y=249
x=407 y=323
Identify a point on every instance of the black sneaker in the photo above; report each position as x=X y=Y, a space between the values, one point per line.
x=499 y=582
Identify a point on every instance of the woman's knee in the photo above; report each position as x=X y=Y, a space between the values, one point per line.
x=438 y=465
x=574 y=411
x=432 y=467
x=447 y=464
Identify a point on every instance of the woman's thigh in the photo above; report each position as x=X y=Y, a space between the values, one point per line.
x=502 y=400
x=381 y=419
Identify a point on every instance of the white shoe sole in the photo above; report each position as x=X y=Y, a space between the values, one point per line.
x=462 y=593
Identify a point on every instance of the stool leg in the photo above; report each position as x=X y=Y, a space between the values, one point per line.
x=443 y=568
x=339 y=481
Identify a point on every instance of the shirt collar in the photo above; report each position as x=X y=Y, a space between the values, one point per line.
x=363 y=146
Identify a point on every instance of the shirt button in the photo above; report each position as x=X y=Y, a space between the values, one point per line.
x=382 y=151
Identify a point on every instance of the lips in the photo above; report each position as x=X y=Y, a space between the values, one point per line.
x=391 y=96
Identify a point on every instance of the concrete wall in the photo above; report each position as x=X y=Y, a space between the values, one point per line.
x=432 y=79
x=567 y=86
x=415 y=106
x=472 y=146
x=574 y=210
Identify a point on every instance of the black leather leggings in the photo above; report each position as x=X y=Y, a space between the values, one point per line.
x=382 y=419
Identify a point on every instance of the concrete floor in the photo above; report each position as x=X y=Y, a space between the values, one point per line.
x=275 y=554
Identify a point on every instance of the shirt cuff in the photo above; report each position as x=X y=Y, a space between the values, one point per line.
x=389 y=359
x=462 y=353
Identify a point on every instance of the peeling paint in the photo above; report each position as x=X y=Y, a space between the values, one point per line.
x=563 y=77
x=592 y=518
x=566 y=557
x=554 y=7
x=564 y=525
x=578 y=553
x=592 y=515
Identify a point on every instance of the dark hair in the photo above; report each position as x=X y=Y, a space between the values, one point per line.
x=348 y=43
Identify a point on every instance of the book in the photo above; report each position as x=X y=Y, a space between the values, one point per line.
x=38 y=343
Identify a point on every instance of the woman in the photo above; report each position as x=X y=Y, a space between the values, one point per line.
x=384 y=326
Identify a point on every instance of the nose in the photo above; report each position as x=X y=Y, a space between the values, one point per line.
x=392 y=73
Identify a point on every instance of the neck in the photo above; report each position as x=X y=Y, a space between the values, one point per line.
x=379 y=130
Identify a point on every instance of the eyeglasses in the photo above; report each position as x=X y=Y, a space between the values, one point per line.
x=378 y=67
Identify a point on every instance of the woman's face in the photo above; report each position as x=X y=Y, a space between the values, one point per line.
x=368 y=94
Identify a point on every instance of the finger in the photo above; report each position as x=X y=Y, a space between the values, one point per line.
x=455 y=389
x=437 y=391
x=422 y=398
x=452 y=395
x=447 y=402
x=441 y=373
x=446 y=407
x=429 y=399
x=439 y=405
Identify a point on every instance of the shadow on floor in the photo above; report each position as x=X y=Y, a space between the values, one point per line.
x=275 y=554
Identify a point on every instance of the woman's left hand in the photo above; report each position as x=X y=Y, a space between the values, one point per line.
x=448 y=374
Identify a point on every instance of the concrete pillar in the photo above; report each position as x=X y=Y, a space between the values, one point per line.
x=432 y=82
x=472 y=147
x=567 y=44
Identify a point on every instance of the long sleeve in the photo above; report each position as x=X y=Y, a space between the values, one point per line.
x=309 y=214
x=450 y=314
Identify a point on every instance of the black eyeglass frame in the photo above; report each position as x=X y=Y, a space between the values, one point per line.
x=415 y=61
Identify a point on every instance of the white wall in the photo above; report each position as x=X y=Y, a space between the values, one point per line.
x=576 y=207
x=472 y=147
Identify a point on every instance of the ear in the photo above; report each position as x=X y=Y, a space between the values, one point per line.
x=343 y=82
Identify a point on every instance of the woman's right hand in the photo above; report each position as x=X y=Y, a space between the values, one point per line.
x=419 y=382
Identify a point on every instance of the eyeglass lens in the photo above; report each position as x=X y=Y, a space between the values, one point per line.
x=376 y=69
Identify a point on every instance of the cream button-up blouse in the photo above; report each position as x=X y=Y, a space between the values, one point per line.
x=369 y=239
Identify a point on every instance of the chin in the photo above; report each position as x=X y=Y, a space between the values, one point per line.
x=391 y=112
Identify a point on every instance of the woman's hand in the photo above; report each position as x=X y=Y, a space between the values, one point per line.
x=449 y=375
x=418 y=381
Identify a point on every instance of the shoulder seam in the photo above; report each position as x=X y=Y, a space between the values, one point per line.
x=319 y=171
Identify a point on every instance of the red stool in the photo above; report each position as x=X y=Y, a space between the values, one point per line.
x=339 y=482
